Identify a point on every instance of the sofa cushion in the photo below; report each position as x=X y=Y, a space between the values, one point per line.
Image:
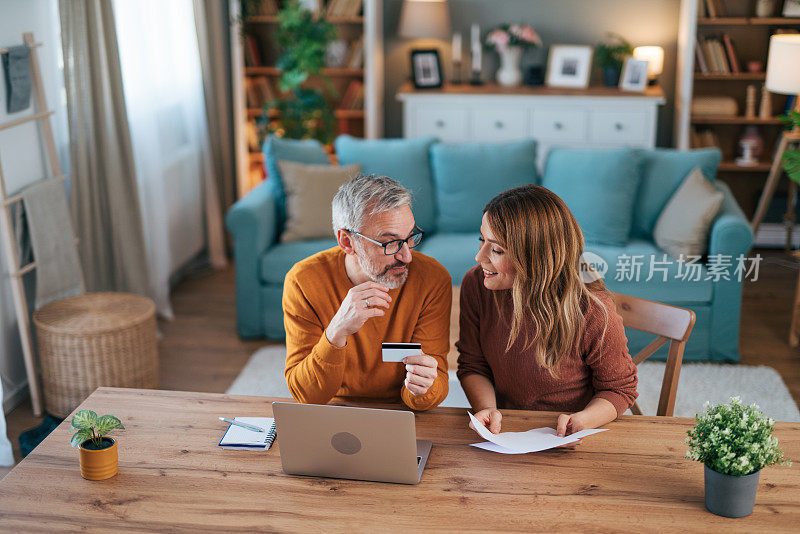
x=405 y=160
x=310 y=189
x=455 y=251
x=621 y=274
x=277 y=260
x=663 y=171
x=469 y=175
x=599 y=186
x=278 y=148
x=682 y=228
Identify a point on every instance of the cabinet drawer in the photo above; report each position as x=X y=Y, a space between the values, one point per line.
x=499 y=123
x=559 y=124
x=614 y=127
x=448 y=123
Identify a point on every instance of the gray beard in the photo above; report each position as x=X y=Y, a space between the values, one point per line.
x=390 y=281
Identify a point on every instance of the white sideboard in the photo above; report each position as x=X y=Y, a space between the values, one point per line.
x=588 y=118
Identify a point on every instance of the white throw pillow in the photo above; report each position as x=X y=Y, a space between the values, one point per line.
x=682 y=227
x=309 y=192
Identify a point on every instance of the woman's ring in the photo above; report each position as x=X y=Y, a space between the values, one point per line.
x=367 y=301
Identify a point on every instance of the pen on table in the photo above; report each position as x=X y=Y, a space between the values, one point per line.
x=254 y=428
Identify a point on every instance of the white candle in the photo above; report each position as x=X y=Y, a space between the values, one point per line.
x=457 y=47
x=476 y=47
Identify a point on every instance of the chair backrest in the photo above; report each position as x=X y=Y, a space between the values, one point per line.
x=669 y=324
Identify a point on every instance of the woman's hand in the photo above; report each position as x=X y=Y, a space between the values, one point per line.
x=490 y=417
x=569 y=424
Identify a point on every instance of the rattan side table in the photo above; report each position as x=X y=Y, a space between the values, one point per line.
x=93 y=340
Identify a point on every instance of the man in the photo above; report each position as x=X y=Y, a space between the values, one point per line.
x=339 y=305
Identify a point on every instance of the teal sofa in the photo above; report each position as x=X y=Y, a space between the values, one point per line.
x=615 y=194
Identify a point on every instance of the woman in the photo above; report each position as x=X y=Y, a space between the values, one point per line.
x=533 y=335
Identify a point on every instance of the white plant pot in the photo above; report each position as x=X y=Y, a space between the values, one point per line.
x=509 y=74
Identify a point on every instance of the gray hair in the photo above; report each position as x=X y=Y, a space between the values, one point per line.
x=364 y=196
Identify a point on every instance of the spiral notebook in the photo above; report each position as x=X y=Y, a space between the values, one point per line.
x=238 y=438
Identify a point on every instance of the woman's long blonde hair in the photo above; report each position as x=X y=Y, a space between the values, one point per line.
x=545 y=245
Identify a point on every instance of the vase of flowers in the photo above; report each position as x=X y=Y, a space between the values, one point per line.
x=510 y=41
x=734 y=442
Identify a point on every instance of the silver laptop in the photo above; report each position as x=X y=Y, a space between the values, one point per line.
x=345 y=442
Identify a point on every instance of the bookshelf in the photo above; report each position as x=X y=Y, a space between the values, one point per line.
x=749 y=38
x=358 y=81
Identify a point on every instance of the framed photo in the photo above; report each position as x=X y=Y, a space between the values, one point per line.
x=569 y=66
x=426 y=69
x=791 y=8
x=634 y=75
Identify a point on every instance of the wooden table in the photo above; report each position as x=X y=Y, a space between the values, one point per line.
x=174 y=477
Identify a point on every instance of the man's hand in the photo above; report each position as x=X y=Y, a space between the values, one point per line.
x=362 y=302
x=420 y=373
x=490 y=417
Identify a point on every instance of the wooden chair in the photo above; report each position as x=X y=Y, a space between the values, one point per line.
x=668 y=323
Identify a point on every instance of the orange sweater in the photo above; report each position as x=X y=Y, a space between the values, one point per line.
x=317 y=372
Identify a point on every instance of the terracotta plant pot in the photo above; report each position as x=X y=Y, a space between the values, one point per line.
x=99 y=464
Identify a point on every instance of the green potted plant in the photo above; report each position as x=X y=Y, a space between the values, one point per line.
x=734 y=442
x=305 y=112
x=610 y=55
x=98 y=452
x=791 y=158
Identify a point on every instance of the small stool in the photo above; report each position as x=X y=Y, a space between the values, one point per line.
x=93 y=340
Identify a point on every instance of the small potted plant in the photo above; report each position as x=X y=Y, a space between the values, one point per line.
x=734 y=442
x=509 y=41
x=610 y=56
x=98 y=452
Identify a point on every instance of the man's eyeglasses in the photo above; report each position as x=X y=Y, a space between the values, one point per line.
x=390 y=248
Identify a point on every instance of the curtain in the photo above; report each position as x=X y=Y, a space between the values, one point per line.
x=104 y=195
x=212 y=21
x=167 y=115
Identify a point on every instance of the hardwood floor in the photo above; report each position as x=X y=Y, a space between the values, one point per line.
x=200 y=350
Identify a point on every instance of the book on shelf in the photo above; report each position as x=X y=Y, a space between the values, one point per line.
x=252 y=58
x=702 y=64
x=719 y=54
x=355 y=57
x=733 y=59
x=705 y=138
x=715 y=8
x=258 y=90
x=353 y=96
x=344 y=8
x=701 y=9
x=267 y=8
x=252 y=136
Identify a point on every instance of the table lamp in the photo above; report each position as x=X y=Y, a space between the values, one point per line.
x=654 y=55
x=424 y=19
x=783 y=77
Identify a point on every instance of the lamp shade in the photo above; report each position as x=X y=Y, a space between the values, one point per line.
x=654 y=55
x=783 y=64
x=423 y=19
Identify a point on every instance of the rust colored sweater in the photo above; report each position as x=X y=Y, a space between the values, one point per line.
x=318 y=372
x=593 y=369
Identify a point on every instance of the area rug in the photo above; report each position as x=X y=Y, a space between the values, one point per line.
x=699 y=382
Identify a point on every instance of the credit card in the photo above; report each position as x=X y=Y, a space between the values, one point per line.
x=395 y=352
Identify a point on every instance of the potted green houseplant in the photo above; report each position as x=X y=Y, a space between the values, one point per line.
x=791 y=158
x=610 y=55
x=304 y=112
x=734 y=442
x=98 y=452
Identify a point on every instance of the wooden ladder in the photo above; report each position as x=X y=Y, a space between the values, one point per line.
x=16 y=272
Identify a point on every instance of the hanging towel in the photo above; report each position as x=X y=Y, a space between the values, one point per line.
x=58 y=270
x=17 y=65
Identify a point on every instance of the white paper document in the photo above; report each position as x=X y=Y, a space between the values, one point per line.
x=537 y=439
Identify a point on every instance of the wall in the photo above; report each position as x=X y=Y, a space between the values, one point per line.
x=651 y=22
x=22 y=157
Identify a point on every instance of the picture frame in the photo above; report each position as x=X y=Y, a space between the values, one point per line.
x=791 y=8
x=426 y=68
x=634 y=75
x=569 y=66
